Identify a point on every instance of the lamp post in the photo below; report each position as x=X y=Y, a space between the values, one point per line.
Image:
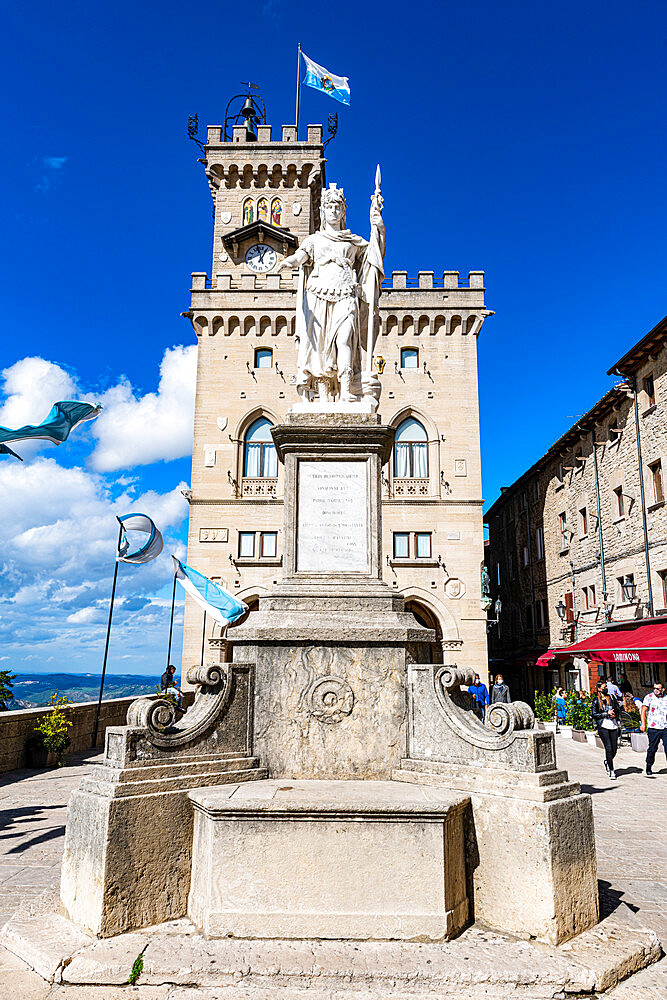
x=629 y=589
x=561 y=610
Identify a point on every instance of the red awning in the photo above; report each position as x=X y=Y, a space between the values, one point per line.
x=645 y=644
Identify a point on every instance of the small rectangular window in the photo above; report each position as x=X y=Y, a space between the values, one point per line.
x=562 y=526
x=246 y=544
x=268 y=544
x=401 y=545
x=589 y=596
x=423 y=544
x=560 y=474
x=620 y=502
x=263 y=357
x=614 y=432
x=539 y=543
x=583 y=522
x=526 y=556
x=541 y=609
x=536 y=489
x=649 y=389
x=656 y=479
x=409 y=357
x=663 y=586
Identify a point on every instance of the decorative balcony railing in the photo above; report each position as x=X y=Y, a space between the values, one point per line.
x=411 y=488
x=259 y=488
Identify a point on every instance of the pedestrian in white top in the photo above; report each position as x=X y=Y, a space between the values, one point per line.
x=654 y=720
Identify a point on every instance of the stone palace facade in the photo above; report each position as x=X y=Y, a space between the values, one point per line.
x=584 y=530
x=266 y=196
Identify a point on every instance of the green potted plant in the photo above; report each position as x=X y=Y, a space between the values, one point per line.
x=579 y=714
x=50 y=739
x=544 y=710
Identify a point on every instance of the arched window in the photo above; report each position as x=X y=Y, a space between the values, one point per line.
x=262 y=210
x=259 y=454
x=411 y=450
x=248 y=211
x=277 y=212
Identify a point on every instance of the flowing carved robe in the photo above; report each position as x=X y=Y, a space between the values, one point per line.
x=337 y=283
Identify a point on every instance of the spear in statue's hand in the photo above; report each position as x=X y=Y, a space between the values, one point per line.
x=377 y=201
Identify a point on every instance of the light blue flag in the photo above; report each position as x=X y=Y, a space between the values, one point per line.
x=210 y=596
x=61 y=419
x=149 y=549
x=320 y=78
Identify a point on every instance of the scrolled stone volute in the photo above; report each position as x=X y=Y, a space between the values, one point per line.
x=502 y=718
x=209 y=674
x=154 y=714
x=158 y=715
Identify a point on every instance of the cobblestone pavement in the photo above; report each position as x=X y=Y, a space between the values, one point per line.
x=630 y=824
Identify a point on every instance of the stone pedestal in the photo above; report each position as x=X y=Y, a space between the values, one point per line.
x=369 y=860
x=330 y=644
x=128 y=845
x=530 y=848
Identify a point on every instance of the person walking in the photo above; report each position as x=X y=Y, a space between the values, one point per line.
x=561 y=706
x=605 y=711
x=654 y=721
x=480 y=697
x=500 y=692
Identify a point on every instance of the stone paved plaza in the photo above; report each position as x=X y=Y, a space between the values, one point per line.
x=630 y=822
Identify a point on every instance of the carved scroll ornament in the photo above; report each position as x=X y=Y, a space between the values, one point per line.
x=502 y=720
x=158 y=715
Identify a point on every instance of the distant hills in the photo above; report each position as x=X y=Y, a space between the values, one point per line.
x=35 y=690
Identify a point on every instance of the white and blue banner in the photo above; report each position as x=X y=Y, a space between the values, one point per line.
x=61 y=419
x=320 y=78
x=147 y=548
x=210 y=596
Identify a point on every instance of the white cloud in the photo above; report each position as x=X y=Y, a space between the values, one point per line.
x=32 y=386
x=50 y=169
x=136 y=430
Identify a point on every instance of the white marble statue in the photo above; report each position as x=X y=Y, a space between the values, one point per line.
x=340 y=276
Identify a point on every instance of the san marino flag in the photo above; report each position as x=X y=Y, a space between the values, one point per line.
x=321 y=79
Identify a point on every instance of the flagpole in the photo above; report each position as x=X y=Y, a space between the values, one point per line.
x=298 y=89
x=171 y=621
x=203 y=639
x=106 y=647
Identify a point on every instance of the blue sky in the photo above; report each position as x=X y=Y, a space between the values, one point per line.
x=523 y=139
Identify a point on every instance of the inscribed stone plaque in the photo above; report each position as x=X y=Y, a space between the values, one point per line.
x=332 y=518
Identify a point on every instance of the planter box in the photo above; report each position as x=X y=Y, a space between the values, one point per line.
x=551 y=727
x=579 y=735
x=40 y=758
x=566 y=732
x=639 y=742
x=539 y=724
x=593 y=738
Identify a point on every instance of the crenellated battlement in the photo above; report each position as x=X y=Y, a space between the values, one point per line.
x=264 y=136
x=399 y=281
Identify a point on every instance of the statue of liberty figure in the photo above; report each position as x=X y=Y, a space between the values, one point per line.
x=340 y=275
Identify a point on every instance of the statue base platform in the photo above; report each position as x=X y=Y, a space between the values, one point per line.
x=366 y=860
x=365 y=405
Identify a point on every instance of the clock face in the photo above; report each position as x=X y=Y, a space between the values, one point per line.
x=261 y=257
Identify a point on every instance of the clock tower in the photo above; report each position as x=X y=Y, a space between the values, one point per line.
x=266 y=194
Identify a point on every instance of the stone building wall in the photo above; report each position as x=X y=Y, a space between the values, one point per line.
x=236 y=312
x=571 y=570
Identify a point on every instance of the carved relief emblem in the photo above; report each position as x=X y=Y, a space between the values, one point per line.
x=226 y=218
x=296 y=208
x=330 y=699
x=455 y=588
x=221 y=422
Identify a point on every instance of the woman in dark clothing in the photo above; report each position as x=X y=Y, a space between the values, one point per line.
x=606 y=712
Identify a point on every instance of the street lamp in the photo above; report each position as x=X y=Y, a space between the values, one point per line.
x=561 y=610
x=629 y=589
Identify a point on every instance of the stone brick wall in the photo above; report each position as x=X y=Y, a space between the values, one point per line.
x=16 y=727
x=563 y=482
